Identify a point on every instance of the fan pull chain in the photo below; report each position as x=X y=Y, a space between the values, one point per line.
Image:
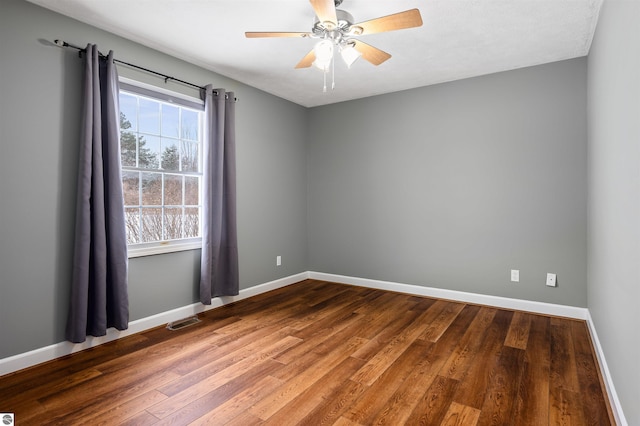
x=324 y=88
x=333 y=72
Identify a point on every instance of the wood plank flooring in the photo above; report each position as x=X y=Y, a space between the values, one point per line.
x=318 y=353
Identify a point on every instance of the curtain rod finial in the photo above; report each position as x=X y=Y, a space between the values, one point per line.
x=60 y=43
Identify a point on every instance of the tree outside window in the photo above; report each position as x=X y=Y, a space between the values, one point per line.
x=160 y=153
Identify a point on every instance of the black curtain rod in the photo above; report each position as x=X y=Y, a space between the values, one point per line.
x=63 y=43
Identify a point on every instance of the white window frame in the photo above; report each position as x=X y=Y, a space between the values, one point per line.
x=159 y=247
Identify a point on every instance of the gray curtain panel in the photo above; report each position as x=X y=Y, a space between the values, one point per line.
x=219 y=263
x=99 y=298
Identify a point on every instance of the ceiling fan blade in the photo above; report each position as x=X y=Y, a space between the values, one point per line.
x=255 y=34
x=307 y=61
x=370 y=53
x=325 y=11
x=397 y=21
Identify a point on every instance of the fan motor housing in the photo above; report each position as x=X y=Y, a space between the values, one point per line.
x=345 y=20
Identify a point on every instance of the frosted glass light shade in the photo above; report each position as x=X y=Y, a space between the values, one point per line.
x=323 y=51
x=349 y=55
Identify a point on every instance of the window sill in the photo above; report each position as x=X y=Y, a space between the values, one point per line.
x=140 y=250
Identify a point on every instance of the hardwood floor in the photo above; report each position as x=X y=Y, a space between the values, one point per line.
x=318 y=353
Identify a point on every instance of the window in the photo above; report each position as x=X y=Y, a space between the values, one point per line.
x=161 y=146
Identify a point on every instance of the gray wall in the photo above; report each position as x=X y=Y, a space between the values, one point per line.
x=453 y=185
x=40 y=102
x=614 y=195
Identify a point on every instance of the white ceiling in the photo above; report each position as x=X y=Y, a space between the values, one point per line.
x=458 y=39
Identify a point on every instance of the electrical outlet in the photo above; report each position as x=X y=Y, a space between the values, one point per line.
x=278 y=260
x=551 y=280
x=515 y=275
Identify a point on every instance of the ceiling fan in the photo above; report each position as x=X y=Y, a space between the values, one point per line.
x=335 y=29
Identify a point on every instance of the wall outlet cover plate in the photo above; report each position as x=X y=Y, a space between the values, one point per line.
x=551 y=280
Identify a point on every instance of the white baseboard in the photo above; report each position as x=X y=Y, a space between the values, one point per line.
x=459 y=296
x=28 y=359
x=48 y=353
x=616 y=407
x=499 y=302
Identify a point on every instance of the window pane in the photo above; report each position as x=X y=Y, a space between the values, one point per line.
x=131 y=188
x=173 y=223
x=190 y=128
x=132 y=223
x=189 y=156
x=128 y=116
x=163 y=139
x=149 y=116
x=191 y=222
x=148 y=152
x=151 y=225
x=172 y=190
x=170 y=120
x=191 y=191
x=170 y=155
x=152 y=189
x=128 y=148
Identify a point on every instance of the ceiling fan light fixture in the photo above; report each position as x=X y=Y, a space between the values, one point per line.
x=334 y=28
x=349 y=54
x=323 y=51
x=322 y=65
